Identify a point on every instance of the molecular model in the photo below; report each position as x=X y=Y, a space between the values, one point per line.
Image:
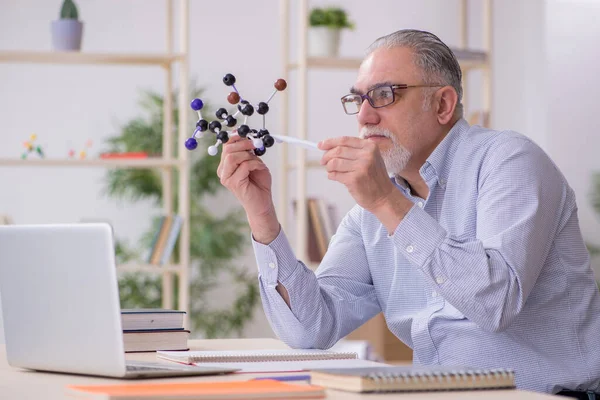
x=261 y=138
x=31 y=148
x=82 y=153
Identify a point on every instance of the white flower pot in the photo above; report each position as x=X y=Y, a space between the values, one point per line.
x=66 y=34
x=323 y=41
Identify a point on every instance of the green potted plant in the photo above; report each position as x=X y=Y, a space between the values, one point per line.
x=216 y=241
x=67 y=30
x=325 y=26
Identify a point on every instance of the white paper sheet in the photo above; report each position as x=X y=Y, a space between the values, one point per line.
x=293 y=366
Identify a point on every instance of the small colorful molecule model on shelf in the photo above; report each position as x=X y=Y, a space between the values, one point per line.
x=31 y=147
x=82 y=153
x=261 y=138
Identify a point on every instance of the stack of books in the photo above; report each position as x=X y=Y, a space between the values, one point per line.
x=153 y=330
x=164 y=239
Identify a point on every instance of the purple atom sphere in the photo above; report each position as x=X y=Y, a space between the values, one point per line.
x=197 y=104
x=191 y=144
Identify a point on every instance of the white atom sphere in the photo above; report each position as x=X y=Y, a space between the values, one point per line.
x=257 y=142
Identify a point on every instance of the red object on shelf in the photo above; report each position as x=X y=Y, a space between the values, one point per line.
x=139 y=154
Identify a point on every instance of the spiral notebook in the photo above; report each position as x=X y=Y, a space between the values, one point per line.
x=241 y=356
x=413 y=379
x=262 y=361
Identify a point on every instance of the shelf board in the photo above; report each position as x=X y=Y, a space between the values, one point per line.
x=149 y=268
x=91 y=162
x=466 y=65
x=331 y=62
x=467 y=59
x=56 y=57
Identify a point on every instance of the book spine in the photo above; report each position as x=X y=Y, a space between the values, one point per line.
x=322 y=241
x=153 y=247
x=172 y=239
x=162 y=239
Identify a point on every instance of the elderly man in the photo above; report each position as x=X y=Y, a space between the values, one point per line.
x=472 y=250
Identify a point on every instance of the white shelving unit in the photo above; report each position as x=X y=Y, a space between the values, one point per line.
x=375 y=330
x=471 y=61
x=170 y=61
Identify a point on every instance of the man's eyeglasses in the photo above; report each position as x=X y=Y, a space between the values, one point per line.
x=378 y=97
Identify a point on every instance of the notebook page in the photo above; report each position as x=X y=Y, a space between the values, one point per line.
x=294 y=366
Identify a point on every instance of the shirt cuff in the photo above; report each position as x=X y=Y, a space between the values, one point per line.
x=417 y=236
x=276 y=261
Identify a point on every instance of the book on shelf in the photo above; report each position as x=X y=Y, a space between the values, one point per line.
x=250 y=389
x=155 y=339
x=321 y=226
x=413 y=379
x=327 y=214
x=316 y=218
x=164 y=239
x=133 y=319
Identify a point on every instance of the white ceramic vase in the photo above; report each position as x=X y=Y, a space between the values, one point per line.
x=323 y=41
x=66 y=34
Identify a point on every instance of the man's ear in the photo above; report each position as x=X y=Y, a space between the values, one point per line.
x=445 y=100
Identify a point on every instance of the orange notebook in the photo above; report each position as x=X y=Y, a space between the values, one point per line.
x=259 y=389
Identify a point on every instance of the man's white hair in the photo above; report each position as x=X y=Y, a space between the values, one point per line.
x=437 y=62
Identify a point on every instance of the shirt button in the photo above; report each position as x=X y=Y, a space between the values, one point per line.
x=410 y=249
x=420 y=204
x=440 y=280
x=434 y=294
x=272 y=265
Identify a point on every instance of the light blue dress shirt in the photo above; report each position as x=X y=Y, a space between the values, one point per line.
x=489 y=271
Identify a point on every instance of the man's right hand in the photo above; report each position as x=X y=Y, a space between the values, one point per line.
x=249 y=179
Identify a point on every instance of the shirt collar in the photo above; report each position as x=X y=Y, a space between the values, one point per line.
x=440 y=160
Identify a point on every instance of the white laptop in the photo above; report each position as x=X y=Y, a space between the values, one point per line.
x=60 y=301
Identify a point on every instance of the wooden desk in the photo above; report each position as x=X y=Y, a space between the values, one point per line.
x=21 y=384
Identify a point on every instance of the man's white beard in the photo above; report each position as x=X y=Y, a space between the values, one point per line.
x=396 y=158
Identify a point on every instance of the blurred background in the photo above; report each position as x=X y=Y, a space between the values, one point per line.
x=539 y=79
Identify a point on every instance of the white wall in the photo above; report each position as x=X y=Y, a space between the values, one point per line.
x=67 y=105
x=572 y=33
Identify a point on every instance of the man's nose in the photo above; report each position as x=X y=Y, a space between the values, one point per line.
x=367 y=115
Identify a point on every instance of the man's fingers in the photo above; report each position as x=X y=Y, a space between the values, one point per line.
x=348 y=141
x=231 y=162
x=237 y=143
x=243 y=170
x=234 y=145
x=341 y=177
x=348 y=153
x=341 y=165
